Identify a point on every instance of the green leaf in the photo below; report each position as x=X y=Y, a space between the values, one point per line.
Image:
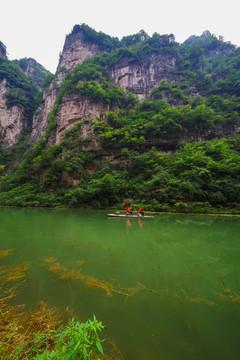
x=99 y=347
x=84 y=353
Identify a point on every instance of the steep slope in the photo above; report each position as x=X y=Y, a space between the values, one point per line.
x=137 y=64
x=11 y=123
x=113 y=116
x=3 y=50
x=141 y=78
x=34 y=71
x=75 y=51
x=17 y=103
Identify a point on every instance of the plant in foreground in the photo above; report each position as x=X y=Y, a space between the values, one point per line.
x=36 y=334
x=76 y=341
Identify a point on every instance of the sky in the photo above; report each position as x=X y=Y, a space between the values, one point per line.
x=37 y=28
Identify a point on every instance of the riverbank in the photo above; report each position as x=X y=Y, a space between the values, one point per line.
x=40 y=334
x=179 y=208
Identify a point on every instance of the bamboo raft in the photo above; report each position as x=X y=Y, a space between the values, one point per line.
x=131 y=216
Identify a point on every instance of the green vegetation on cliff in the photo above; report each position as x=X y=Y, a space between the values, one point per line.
x=21 y=90
x=35 y=71
x=175 y=151
x=198 y=177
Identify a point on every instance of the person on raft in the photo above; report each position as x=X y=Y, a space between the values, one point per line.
x=140 y=212
x=129 y=211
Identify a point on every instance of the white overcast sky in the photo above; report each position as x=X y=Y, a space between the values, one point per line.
x=37 y=29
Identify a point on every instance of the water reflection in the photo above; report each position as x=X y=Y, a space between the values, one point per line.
x=128 y=223
x=140 y=222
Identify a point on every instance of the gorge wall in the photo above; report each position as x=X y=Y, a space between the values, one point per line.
x=11 y=119
x=75 y=51
x=76 y=108
x=3 y=50
x=141 y=78
x=137 y=77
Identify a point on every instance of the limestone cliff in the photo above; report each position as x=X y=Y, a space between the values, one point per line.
x=39 y=124
x=76 y=108
x=138 y=78
x=75 y=51
x=141 y=78
x=3 y=50
x=11 y=119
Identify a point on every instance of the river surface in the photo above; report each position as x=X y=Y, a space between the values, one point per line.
x=166 y=288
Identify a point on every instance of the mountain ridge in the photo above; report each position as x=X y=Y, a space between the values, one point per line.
x=118 y=112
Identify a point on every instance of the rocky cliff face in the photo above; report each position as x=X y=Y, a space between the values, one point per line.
x=3 y=50
x=141 y=78
x=76 y=108
x=39 y=124
x=137 y=77
x=11 y=119
x=30 y=67
x=75 y=51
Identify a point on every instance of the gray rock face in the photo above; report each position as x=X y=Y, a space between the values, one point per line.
x=141 y=78
x=3 y=50
x=76 y=108
x=11 y=119
x=39 y=124
x=75 y=51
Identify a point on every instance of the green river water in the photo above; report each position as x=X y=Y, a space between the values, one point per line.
x=166 y=288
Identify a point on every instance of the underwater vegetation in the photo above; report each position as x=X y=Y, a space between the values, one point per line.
x=24 y=334
x=12 y=273
x=6 y=252
x=229 y=296
x=114 y=286
x=39 y=333
x=76 y=274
